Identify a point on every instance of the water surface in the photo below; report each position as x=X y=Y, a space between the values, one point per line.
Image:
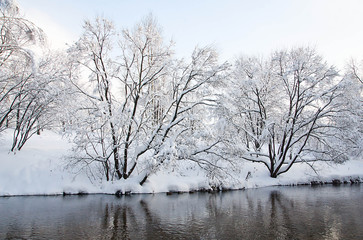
x=324 y=212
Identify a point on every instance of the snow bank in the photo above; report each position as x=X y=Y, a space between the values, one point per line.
x=39 y=169
x=301 y=173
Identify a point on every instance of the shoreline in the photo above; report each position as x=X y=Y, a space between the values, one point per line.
x=333 y=182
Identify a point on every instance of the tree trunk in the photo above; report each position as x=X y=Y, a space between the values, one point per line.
x=115 y=152
x=144 y=180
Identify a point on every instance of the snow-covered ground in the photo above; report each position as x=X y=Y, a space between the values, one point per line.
x=39 y=169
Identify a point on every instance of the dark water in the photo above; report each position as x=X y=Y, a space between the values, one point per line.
x=325 y=212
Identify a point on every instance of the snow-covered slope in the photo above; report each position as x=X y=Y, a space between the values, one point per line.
x=39 y=168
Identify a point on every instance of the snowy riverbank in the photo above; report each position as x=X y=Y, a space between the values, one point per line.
x=39 y=169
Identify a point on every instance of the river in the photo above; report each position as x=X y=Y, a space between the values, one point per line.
x=303 y=212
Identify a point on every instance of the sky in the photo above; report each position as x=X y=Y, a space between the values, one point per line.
x=233 y=27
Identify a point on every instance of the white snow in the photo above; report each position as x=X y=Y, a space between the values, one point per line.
x=39 y=169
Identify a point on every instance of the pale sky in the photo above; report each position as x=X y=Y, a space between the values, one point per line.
x=234 y=27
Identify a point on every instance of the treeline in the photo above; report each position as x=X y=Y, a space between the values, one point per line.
x=132 y=108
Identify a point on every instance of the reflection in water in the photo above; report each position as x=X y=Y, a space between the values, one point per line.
x=269 y=213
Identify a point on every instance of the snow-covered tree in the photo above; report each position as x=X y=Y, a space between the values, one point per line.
x=16 y=60
x=250 y=101
x=27 y=79
x=352 y=99
x=282 y=110
x=137 y=98
x=41 y=100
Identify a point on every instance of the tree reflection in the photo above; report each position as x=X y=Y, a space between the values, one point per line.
x=281 y=226
x=118 y=221
x=257 y=214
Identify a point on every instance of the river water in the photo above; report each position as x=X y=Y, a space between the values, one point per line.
x=304 y=212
